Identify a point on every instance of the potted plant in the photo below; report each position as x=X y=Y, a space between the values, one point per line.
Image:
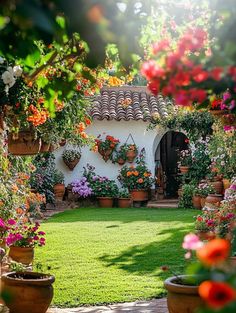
x=71 y=158
x=185 y=161
x=22 y=238
x=106 y=146
x=131 y=152
x=105 y=190
x=27 y=291
x=186 y=197
x=24 y=143
x=196 y=199
x=81 y=187
x=124 y=198
x=203 y=190
x=59 y=186
x=205 y=225
x=120 y=156
x=138 y=179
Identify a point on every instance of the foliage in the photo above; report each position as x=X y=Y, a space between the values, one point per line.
x=122 y=152
x=136 y=177
x=24 y=235
x=42 y=180
x=58 y=177
x=186 y=196
x=185 y=158
x=81 y=187
x=124 y=193
x=71 y=155
x=204 y=189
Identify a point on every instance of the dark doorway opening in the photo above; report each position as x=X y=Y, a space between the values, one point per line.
x=170 y=144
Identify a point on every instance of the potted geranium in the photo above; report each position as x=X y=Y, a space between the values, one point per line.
x=138 y=179
x=205 y=225
x=59 y=186
x=71 y=158
x=105 y=190
x=185 y=161
x=124 y=198
x=106 y=146
x=22 y=238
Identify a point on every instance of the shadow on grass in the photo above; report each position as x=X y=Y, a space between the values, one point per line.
x=148 y=258
x=126 y=215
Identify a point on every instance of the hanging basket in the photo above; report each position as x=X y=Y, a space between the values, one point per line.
x=106 y=154
x=72 y=164
x=132 y=152
x=44 y=147
x=25 y=144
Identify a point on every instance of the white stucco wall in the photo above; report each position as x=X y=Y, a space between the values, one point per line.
x=148 y=139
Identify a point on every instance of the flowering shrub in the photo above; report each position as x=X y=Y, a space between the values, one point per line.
x=136 y=177
x=185 y=200
x=104 y=187
x=230 y=193
x=204 y=189
x=24 y=235
x=71 y=155
x=185 y=158
x=81 y=187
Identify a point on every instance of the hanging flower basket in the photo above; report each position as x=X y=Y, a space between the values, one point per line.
x=131 y=153
x=44 y=147
x=106 y=154
x=71 y=158
x=24 y=143
x=106 y=146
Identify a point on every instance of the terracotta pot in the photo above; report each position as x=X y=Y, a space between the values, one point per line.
x=214 y=199
x=72 y=164
x=105 y=202
x=203 y=201
x=27 y=291
x=62 y=143
x=182 y=298
x=124 y=202
x=218 y=186
x=106 y=154
x=44 y=147
x=52 y=148
x=205 y=235
x=121 y=161
x=59 y=191
x=131 y=155
x=197 y=202
x=184 y=169
x=21 y=254
x=228 y=119
x=218 y=113
x=226 y=183
x=25 y=144
x=139 y=195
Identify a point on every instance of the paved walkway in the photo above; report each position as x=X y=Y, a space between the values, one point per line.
x=153 y=306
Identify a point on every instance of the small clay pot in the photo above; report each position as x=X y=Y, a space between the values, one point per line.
x=214 y=199
x=105 y=202
x=197 y=202
x=124 y=202
x=131 y=155
x=44 y=147
x=139 y=195
x=203 y=201
x=218 y=186
x=59 y=191
x=205 y=235
x=21 y=254
x=184 y=169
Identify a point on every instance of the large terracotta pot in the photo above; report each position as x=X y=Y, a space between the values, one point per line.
x=131 y=155
x=139 y=195
x=226 y=183
x=71 y=164
x=27 y=292
x=184 y=169
x=25 y=144
x=59 y=191
x=182 y=298
x=124 y=202
x=44 y=147
x=106 y=154
x=105 y=202
x=197 y=202
x=218 y=186
x=214 y=199
x=21 y=254
x=203 y=201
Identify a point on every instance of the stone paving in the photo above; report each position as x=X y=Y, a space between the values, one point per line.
x=152 y=306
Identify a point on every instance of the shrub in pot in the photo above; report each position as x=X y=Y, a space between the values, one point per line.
x=203 y=190
x=124 y=200
x=71 y=158
x=59 y=186
x=106 y=146
x=185 y=161
x=105 y=190
x=205 y=225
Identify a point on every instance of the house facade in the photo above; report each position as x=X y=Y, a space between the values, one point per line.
x=120 y=112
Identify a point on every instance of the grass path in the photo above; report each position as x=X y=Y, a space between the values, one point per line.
x=113 y=255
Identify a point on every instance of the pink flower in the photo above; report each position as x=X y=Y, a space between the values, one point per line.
x=41 y=233
x=11 y=221
x=2 y=224
x=192 y=242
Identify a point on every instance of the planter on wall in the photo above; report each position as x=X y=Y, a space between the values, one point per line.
x=72 y=164
x=106 y=154
x=131 y=155
x=25 y=144
x=22 y=255
x=44 y=147
x=27 y=291
x=105 y=202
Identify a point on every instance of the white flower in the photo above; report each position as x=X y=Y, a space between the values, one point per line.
x=17 y=70
x=1 y=60
x=8 y=78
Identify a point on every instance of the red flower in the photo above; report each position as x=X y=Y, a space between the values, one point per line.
x=217 y=294
x=154 y=86
x=151 y=70
x=214 y=252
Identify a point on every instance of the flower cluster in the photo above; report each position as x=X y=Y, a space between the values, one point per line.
x=9 y=74
x=24 y=235
x=70 y=155
x=81 y=187
x=185 y=158
x=205 y=222
x=204 y=189
x=109 y=143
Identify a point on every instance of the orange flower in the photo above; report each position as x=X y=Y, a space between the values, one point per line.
x=140 y=180
x=84 y=135
x=19 y=211
x=136 y=173
x=215 y=251
x=128 y=174
x=217 y=294
x=81 y=127
x=14 y=188
x=87 y=121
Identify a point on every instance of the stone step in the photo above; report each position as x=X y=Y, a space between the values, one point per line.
x=162 y=205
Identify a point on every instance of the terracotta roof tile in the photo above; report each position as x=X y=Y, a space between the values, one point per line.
x=127 y=103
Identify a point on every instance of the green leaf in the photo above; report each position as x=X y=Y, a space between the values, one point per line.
x=31 y=59
x=61 y=21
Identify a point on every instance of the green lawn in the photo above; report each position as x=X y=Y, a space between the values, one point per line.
x=113 y=255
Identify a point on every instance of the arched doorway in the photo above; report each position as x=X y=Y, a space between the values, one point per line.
x=166 y=158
